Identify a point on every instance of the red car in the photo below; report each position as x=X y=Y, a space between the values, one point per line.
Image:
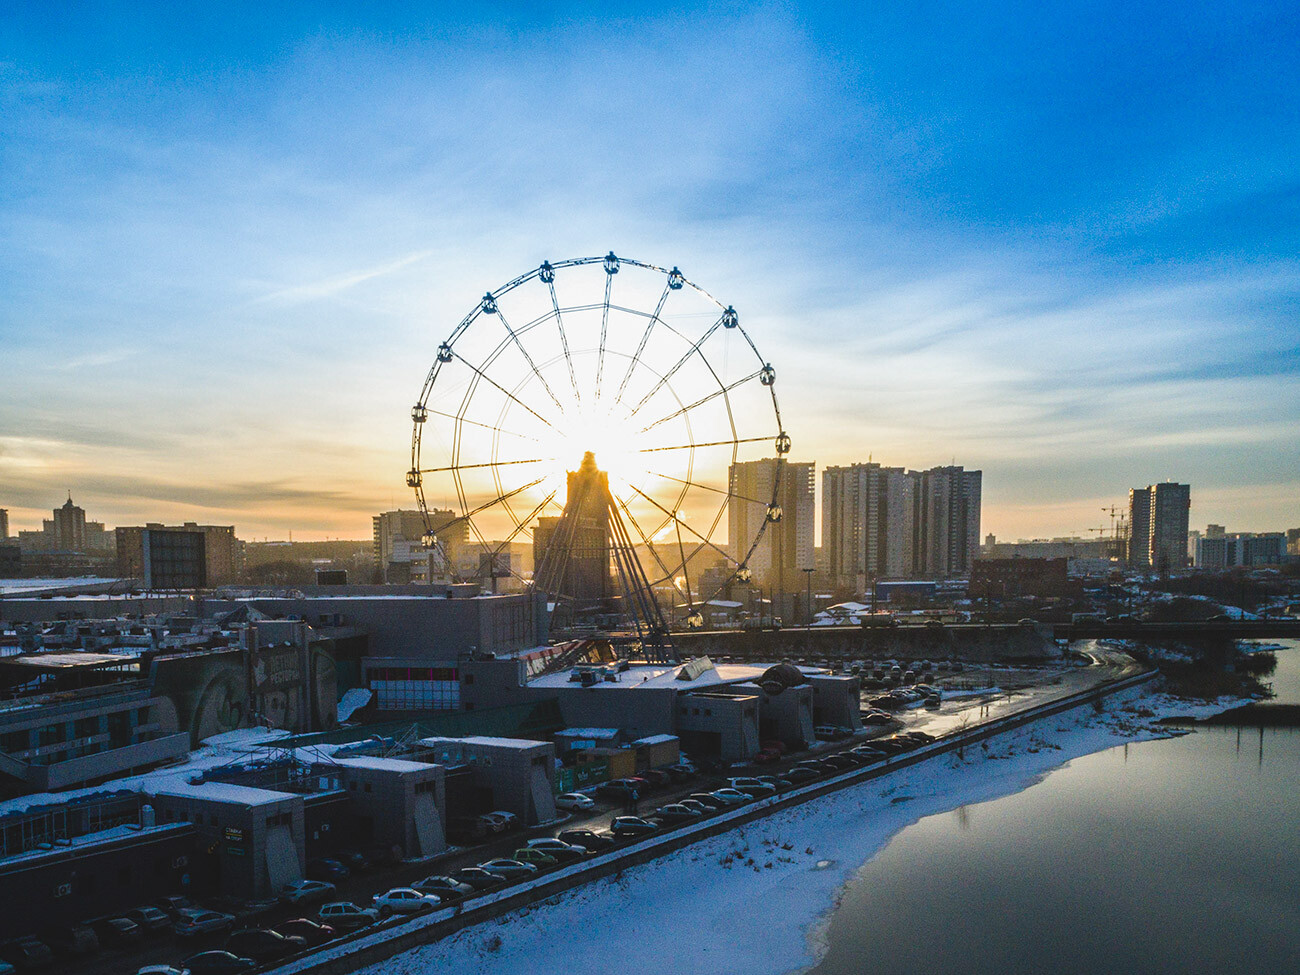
x=767 y=756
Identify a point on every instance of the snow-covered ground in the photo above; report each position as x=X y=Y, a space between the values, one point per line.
x=755 y=900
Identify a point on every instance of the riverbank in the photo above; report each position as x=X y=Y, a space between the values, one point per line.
x=755 y=900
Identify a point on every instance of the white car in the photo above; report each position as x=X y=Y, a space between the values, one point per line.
x=405 y=900
x=574 y=802
x=557 y=848
x=306 y=891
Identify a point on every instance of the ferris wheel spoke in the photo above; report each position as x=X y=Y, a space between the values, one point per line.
x=523 y=524
x=469 y=515
x=485 y=426
x=711 y=443
x=672 y=515
x=496 y=385
x=644 y=538
x=529 y=359
x=488 y=463
x=604 y=330
x=645 y=337
x=720 y=391
x=704 y=487
x=663 y=380
x=564 y=340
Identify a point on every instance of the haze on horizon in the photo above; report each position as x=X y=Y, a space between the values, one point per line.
x=1058 y=246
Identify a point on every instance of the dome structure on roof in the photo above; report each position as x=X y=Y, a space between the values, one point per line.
x=786 y=674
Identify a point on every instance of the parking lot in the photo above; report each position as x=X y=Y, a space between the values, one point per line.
x=1005 y=690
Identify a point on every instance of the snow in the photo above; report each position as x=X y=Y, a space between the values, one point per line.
x=36 y=585
x=382 y=764
x=221 y=792
x=483 y=741
x=352 y=701
x=229 y=748
x=756 y=899
x=656 y=740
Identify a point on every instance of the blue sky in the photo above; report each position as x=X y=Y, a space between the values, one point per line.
x=1060 y=245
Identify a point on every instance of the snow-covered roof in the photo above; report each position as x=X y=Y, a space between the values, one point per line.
x=243 y=795
x=588 y=733
x=656 y=740
x=382 y=764
x=484 y=741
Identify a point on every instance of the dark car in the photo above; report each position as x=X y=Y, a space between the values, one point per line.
x=675 y=812
x=116 y=932
x=707 y=799
x=626 y=827
x=27 y=953
x=356 y=861
x=618 y=789
x=478 y=878
x=816 y=766
x=216 y=963
x=588 y=839
x=313 y=933
x=467 y=830
x=657 y=778
x=73 y=939
x=326 y=868
x=173 y=904
x=245 y=908
x=447 y=888
x=870 y=752
x=150 y=920
x=843 y=762
x=263 y=944
x=798 y=775
x=876 y=717
x=680 y=773
x=695 y=804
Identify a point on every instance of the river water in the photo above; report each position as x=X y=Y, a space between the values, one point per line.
x=1170 y=856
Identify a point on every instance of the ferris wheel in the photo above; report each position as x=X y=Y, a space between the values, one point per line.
x=608 y=363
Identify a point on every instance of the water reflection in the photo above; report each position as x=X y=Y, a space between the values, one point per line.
x=1180 y=855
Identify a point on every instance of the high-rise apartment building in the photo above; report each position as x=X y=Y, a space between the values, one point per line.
x=1158 y=526
x=159 y=551
x=868 y=523
x=888 y=523
x=392 y=528
x=4 y=524
x=788 y=546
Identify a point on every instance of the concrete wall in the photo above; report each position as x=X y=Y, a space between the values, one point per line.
x=519 y=774
x=836 y=701
x=788 y=716
x=403 y=803
x=727 y=723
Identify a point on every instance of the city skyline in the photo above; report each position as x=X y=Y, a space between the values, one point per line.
x=230 y=262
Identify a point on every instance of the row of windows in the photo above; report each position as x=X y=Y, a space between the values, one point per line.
x=411 y=673
x=416 y=695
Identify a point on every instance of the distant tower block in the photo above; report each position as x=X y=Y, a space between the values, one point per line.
x=576 y=561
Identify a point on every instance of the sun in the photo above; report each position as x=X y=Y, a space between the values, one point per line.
x=615 y=441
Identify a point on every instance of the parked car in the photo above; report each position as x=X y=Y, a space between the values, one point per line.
x=799 y=775
x=876 y=716
x=921 y=736
x=656 y=777
x=695 y=804
x=195 y=920
x=467 y=830
x=307 y=891
x=541 y=859
x=217 y=963
x=777 y=782
x=675 y=812
x=356 y=861
x=681 y=772
x=625 y=827
x=752 y=786
x=73 y=939
x=842 y=762
x=732 y=797
x=707 y=799
x=766 y=756
x=262 y=944
x=313 y=933
x=27 y=953
x=503 y=822
x=405 y=900
x=244 y=908
x=617 y=789
x=116 y=932
x=478 y=878
x=160 y=970
x=448 y=888
x=870 y=752
x=574 y=802
x=346 y=916
x=150 y=920
x=830 y=732
x=509 y=869
x=173 y=904
x=559 y=849
x=327 y=869
x=588 y=839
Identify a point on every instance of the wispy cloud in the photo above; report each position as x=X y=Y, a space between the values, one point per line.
x=328 y=287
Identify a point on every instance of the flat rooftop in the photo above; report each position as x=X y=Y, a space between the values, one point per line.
x=660 y=676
